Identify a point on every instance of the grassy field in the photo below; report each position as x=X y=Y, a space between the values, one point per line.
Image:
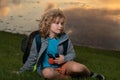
x=100 y=61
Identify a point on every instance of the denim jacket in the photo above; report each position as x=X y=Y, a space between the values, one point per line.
x=35 y=57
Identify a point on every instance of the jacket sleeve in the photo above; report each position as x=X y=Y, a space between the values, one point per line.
x=29 y=64
x=70 y=52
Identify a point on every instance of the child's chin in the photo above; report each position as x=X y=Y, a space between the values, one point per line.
x=58 y=32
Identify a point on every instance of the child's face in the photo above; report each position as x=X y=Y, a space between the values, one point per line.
x=57 y=26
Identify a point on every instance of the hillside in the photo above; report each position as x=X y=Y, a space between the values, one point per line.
x=100 y=61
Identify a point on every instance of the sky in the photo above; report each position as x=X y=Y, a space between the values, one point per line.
x=109 y=4
x=95 y=22
x=65 y=4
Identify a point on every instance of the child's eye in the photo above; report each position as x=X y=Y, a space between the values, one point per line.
x=57 y=22
x=62 y=23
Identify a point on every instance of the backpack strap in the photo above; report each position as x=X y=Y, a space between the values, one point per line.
x=65 y=46
x=26 y=44
x=38 y=42
x=38 y=45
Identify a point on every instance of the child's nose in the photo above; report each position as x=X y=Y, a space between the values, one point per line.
x=60 y=25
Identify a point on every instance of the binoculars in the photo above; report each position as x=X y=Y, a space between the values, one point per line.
x=51 y=58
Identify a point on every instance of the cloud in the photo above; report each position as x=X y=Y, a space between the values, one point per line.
x=112 y=4
x=50 y=6
x=17 y=2
x=94 y=28
x=110 y=1
x=3 y=3
x=4 y=11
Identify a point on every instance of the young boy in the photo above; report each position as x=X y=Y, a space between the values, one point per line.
x=52 y=63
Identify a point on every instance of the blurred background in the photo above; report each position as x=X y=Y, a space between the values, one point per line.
x=92 y=23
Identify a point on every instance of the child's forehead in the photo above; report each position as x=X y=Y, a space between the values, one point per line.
x=59 y=19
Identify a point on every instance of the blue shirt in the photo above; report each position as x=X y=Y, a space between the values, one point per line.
x=51 y=49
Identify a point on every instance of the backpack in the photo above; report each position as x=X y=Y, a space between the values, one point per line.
x=27 y=43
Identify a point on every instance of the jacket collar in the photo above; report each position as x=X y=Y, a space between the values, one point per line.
x=63 y=37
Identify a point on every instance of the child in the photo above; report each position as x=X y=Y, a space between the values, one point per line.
x=52 y=63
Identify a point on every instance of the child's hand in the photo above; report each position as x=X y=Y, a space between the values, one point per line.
x=59 y=60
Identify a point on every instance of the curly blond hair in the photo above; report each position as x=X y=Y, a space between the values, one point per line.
x=48 y=18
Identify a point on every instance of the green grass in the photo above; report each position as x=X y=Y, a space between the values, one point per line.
x=100 y=61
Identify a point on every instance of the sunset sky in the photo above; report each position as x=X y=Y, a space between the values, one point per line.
x=5 y=5
x=109 y=4
x=96 y=21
